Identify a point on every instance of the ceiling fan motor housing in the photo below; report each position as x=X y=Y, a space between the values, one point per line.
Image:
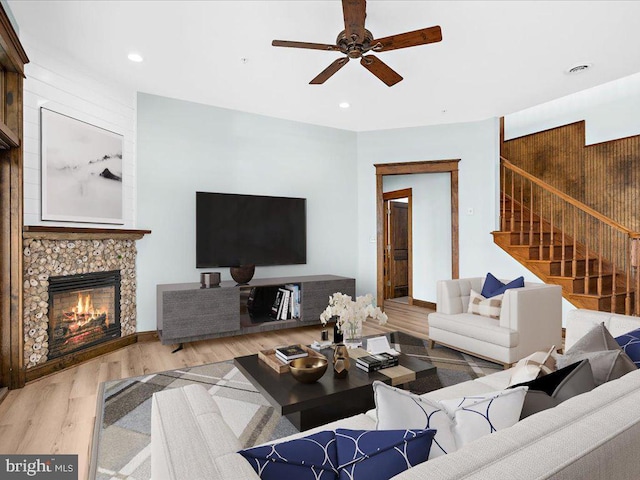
x=351 y=47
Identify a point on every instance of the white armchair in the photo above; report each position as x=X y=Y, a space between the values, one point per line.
x=530 y=320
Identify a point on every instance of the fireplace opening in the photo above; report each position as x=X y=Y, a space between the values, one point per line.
x=84 y=310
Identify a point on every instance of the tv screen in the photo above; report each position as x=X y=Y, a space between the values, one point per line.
x=234 y=230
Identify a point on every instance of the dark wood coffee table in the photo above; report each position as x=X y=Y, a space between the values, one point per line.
x=329 y=399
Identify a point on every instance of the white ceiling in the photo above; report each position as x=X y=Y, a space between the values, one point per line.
x=496 y=57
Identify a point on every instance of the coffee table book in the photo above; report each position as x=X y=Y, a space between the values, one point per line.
x=371 y=363
x=269 y=357
x=291 y=352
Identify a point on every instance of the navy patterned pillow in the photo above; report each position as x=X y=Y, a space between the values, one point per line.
x=343 y=454
x=630 y=343
x=309 y=458
x=380 y=454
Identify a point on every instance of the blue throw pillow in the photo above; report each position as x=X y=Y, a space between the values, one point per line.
x=630 y=343
x=310 y=458
x=492 y=286
x=380 y=454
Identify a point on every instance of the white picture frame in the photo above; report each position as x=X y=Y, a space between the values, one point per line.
x=81 y=172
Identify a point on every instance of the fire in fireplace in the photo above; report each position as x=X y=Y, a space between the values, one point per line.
x=84 y=310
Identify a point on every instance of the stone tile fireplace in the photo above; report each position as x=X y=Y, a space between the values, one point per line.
x=79 y=294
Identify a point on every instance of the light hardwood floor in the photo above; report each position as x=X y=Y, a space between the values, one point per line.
x=56 y=414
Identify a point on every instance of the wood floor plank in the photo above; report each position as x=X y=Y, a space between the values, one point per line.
x=56 y=413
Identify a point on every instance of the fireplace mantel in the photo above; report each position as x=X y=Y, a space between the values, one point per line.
x=79 y=233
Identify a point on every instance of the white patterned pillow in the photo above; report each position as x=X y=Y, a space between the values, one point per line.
x=487 y=307
x=457 y=421
x=479 y=415
x=397 y=409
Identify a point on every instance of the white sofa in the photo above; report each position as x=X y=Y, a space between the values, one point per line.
x=593 y=436
x=530 y=320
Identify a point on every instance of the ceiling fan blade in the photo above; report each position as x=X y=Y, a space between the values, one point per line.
x=329 y=71
x=381 y=70
x=354 y=15
x=312 y=46
x=409 y=39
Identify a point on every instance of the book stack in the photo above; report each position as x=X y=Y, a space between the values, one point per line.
x=372 y=363
x=286 y=354
x=287 y=303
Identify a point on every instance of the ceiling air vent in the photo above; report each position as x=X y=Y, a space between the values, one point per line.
x=579 y=68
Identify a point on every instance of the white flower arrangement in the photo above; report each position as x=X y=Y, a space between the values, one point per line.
x=350 y=314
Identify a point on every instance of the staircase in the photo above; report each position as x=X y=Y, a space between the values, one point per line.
x=564 y=242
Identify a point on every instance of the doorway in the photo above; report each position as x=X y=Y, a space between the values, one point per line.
x=408 y=168
x=398 y=262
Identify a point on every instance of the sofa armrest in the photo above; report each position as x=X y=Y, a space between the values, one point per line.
x=580 y=321
x=453 y=295
x=535 y=312
x=190 y=439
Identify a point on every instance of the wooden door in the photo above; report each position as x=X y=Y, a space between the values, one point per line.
x=397 y=250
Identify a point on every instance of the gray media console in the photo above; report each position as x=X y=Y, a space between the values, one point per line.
x=187 y=313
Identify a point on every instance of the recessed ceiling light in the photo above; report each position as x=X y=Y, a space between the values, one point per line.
x=344 y=105
x=135 y=57
x=579 y=68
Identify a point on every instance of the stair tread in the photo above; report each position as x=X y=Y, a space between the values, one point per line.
x=595 y=295
x=560 y=260
x=579 y=277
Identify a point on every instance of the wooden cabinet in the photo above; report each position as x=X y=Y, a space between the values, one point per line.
x=186 y=312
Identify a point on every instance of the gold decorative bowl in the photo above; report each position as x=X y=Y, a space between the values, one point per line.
x=308 y=369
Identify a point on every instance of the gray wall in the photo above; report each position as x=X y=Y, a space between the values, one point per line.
x=186 y=147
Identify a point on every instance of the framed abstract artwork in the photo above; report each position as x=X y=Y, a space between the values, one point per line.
x=81 y=171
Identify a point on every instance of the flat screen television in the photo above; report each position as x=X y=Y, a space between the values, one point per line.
x=234 y=230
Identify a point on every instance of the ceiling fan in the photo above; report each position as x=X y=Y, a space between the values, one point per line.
x=355 y=41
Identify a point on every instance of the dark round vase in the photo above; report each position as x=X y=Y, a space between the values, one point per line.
x=243 y=274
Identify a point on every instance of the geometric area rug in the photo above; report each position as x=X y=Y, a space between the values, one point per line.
x=122 y=436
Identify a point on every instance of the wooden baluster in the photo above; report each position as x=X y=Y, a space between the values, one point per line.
x=513 y=227
x=522 y=213
x=636 y=265
x=540 y=217
x=613 y=273
x=627 y=300
x=574 y=262
x=531 y=214
x=600 y=255
x=586 y=264
x=552 y=253
x=562 y=230
x=503 y=207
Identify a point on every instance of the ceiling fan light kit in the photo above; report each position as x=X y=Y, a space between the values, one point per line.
x=355 y=41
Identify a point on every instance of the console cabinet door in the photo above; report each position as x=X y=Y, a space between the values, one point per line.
x=315 y=296
x=189 y=315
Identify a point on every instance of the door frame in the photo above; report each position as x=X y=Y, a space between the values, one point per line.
x=395 y=195
x=408 y=168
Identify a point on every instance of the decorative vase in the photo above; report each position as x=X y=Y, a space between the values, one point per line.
x=243 y=274
x=341 y=361
x=337 y=334
x=352 y=333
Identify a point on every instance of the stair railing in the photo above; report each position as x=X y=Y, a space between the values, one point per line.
x=587 y=243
